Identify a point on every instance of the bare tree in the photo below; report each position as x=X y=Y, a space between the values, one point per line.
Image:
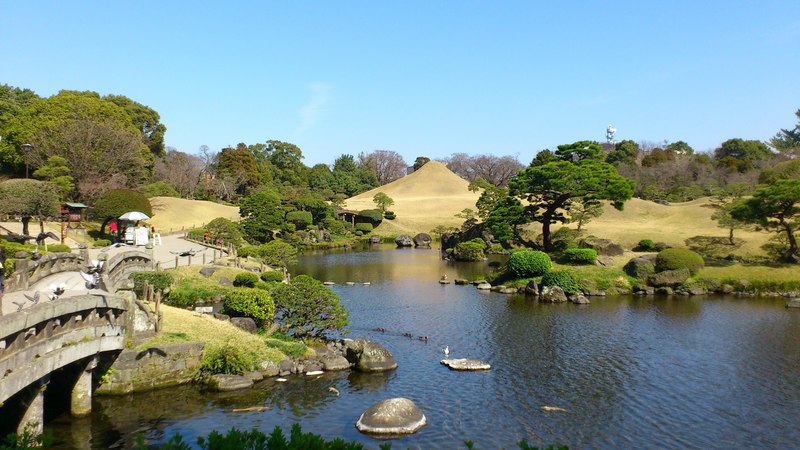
x=181 y=170
x=497 y=170
x=387 y=165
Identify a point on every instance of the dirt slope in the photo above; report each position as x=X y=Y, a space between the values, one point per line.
x=431 y=196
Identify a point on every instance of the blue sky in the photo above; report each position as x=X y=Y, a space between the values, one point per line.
x=421 y=78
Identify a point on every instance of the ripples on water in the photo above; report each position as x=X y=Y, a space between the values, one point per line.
x=630 y=372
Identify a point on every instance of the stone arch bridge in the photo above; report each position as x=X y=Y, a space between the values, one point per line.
x=48 y=334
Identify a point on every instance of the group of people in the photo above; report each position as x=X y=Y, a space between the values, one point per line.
x=207 y=239
x=119 y=232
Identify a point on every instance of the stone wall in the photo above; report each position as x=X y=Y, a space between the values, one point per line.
x=153 y=368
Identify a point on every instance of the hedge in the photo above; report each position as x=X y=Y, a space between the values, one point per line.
x=679 y=258
x=564 y=279
x=529 y=263
x=581 y=255
x=254 y=303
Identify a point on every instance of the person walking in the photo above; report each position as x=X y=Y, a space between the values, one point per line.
x=2 y=276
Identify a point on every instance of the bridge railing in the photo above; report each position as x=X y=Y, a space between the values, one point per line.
x=27 y=271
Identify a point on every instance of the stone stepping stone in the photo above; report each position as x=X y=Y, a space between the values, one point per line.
x=466 y=364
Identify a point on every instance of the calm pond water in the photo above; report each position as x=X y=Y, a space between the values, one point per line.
x=627 y=372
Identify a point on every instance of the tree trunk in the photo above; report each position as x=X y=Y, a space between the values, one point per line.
x=791 y=254
x=25 y=221
x=730 y=236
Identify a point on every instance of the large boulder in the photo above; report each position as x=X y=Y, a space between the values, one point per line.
x=245 y=323
x=404 y=240
x=552 y=294
x=393 y=416
x=668 y=278
x=207 y=271
x=641 y=266
x=604 y=247
x=367 y=356
x=532 y=288
x=422 y=240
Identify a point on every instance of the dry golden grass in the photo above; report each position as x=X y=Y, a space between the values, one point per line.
x=191 y=326
x=431 y=196
x=672 y=224
x=173 y=214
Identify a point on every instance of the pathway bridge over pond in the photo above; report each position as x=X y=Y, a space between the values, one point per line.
x=43 y=336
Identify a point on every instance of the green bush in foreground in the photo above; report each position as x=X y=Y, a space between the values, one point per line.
x=679 y=258
x=254 y=303
x=646 y=245
x=236 y=439
x=59 y=248
x=245 y=279
x=272 y=276
x=160 y=281
x=529 y=263
x=230 y=359
x=581 y=255
x=565 y=279
x=364 y=227
x=101 y=243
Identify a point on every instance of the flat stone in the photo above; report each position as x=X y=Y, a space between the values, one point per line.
x=394 y=416
x=466 y=364
x=207 y=271
x=314 y=372
x=224 y=383
x=484 y=286
x=444 y=281
x=328 y=283
x=204 y=309
x=793 y=303
x=579 y=299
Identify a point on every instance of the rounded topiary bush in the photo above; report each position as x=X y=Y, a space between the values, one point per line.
x=101 y=243
x=390 y=215
x=247 y=251
x=679 y=258
x=273 y=276
x=245 y=279
x=471 y=250
x=59 y=248
x=254 y=303
x=529 y=263
x=646 y=245
x=565 y=279
x=581 y=255
x=364 y=227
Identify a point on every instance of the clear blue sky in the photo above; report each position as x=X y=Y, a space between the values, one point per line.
x=421 y=78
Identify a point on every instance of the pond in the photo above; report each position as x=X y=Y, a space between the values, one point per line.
x=623 y=372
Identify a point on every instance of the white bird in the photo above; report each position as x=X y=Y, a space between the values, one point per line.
x=446 y=350
x=92 y=279
x=58 y=290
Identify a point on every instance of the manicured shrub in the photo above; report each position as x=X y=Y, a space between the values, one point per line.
x=529 y=263
x=161 y=281
x=272 y=276
x=679 y=258
x=247 y=251
x=187 y=295
x=245 y=279
x=645 y=245
x=59 y=248
x=581 y=255
x=101 y=243
x=116 y=202
x=374 y=215
x=221 y=228
x=160 y=189
x=300 y=219
x=472 y=250
x=564 y=279
x=364 y=227
x=254 y=303
x=390 y=215
x=565 y=238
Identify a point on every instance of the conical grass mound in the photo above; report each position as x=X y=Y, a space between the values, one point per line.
x=428 y=197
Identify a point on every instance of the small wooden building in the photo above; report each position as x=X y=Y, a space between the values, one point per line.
x=72 y=212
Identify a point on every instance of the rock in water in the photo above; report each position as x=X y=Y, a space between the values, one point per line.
x=367 y=356
x=391 y=417
x=466 y=364
x=404 y=240
x=224 y=383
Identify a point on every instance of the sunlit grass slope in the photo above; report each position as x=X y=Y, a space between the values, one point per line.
x=174 y=214
x=431 y=196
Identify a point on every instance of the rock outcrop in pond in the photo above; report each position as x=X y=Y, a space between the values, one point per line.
x=394 y=416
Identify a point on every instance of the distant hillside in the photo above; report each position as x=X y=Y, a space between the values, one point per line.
x=431 y=196
x=173 y=214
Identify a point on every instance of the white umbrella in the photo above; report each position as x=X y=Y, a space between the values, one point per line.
x=134 y=216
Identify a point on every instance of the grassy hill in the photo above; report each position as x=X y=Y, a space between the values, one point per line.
x=430 y=196
x=173 y=214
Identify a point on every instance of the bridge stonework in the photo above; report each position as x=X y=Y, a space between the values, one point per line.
x=72 y=330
